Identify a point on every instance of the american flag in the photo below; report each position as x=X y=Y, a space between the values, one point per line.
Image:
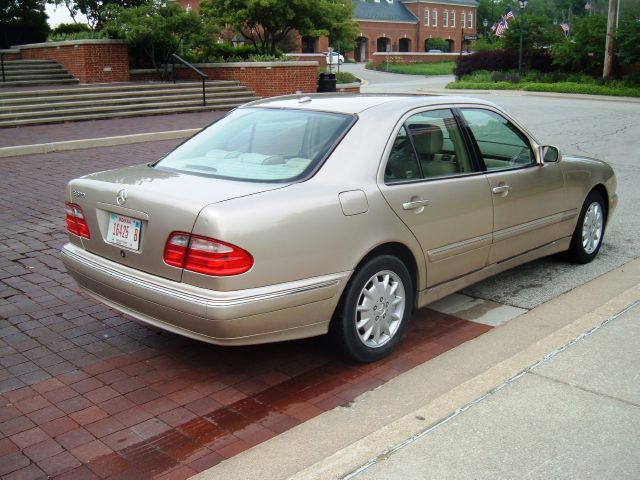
x=508 y=14
x=494 y=26
x=502 y=26
x=565 y=28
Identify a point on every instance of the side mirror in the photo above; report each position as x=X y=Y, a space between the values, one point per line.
x=549 y=153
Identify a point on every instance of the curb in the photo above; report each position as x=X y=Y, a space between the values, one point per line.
x=41 y=148
x=527 y=93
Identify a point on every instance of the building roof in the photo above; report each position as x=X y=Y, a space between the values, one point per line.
x=382 y=11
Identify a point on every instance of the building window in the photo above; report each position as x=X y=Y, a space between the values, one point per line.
x=434 y=18
x=453 y=19
x=445 y=18
x=426 y=17
x=470 y=20
x=463 y=20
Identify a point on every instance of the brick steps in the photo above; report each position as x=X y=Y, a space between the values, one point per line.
x=116 y=101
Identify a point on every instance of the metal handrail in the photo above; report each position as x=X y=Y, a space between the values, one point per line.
x=175 y=57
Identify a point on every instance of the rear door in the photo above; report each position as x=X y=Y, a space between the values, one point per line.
x=434 y=186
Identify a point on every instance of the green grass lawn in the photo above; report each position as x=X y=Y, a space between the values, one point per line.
x=559 y=87
x=438 y=68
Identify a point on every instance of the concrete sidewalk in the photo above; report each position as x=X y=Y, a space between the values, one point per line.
x=574 y=415
x=554 y=393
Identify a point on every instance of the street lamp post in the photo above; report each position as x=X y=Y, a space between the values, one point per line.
x=485 y=22
x=523 y=5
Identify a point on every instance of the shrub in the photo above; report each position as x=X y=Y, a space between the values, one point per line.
x=487 y=60
x=82 y=35
x=70 y=28
x=437 y=44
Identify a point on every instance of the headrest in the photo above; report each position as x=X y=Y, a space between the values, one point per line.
x=427 y=138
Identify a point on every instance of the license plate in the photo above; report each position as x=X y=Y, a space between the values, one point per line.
x=124 y=231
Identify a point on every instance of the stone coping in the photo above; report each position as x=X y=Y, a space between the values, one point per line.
x=65 y=43
x=413 y=54
x=10 y=50
x=293 y=63
x=138 y=71
x=348 y=85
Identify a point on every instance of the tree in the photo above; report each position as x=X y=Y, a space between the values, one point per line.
x=628 y=39
x=265 y=23
x=96 y=11
x=22 y=21
x=156 y=28
x=583 y=51
x=539 y=32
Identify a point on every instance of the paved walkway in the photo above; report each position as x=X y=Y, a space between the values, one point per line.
x=58 y=132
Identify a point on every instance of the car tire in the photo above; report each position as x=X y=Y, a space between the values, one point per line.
x=589 y=231
x=374 y=310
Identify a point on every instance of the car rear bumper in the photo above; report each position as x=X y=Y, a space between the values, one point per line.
x=285 y=311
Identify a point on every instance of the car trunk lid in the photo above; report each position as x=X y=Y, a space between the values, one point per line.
x=154 y=201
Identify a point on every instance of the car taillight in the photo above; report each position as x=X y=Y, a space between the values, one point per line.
x=76 y=223
x=206 y=255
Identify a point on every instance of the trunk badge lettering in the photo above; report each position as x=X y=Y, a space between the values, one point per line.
x=121 y=198
x=79 y=194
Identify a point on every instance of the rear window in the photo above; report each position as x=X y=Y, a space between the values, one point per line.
x=259 y=144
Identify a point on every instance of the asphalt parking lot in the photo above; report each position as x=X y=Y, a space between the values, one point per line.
x=86 y=392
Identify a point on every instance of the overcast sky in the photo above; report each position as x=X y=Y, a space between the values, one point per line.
x=58 y=15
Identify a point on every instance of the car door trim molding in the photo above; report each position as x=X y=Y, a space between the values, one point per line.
x=450 y=250
x=504 y=234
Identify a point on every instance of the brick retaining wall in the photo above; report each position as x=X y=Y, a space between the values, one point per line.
x=402 y=57
x=90 y=61
x=267 y=79
x=12 y=54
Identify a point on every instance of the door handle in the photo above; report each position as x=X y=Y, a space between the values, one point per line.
x=501 y=189
x=415 y=204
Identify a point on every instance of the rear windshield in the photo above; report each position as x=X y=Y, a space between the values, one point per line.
x=260 y=144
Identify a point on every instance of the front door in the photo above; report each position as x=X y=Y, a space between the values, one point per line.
x=437 y=191
x=527 y=196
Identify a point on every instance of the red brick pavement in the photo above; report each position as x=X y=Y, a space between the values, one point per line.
x=57 y=132
x=86 y=392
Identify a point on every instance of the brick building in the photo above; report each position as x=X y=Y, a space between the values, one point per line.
x=400 y=25
x=406 y=25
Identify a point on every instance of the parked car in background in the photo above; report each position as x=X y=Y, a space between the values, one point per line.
x=334 y=58
x=301 y=215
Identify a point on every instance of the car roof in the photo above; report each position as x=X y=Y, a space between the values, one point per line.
x=357 y=103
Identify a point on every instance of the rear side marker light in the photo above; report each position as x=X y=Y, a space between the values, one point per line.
x=206 y=255
x=76 y=223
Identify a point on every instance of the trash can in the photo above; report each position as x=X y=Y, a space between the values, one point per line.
x=327 y=82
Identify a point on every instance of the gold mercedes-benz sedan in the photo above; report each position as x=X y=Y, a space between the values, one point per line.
x=301 y=215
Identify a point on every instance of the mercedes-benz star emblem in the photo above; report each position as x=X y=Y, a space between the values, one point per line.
x=121 y=198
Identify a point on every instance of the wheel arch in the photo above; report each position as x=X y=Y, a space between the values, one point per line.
x=400 y=251
x=602 y=190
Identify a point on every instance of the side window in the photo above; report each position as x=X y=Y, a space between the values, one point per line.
x=402 y=164
x=501 y=144
x=438 y=144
